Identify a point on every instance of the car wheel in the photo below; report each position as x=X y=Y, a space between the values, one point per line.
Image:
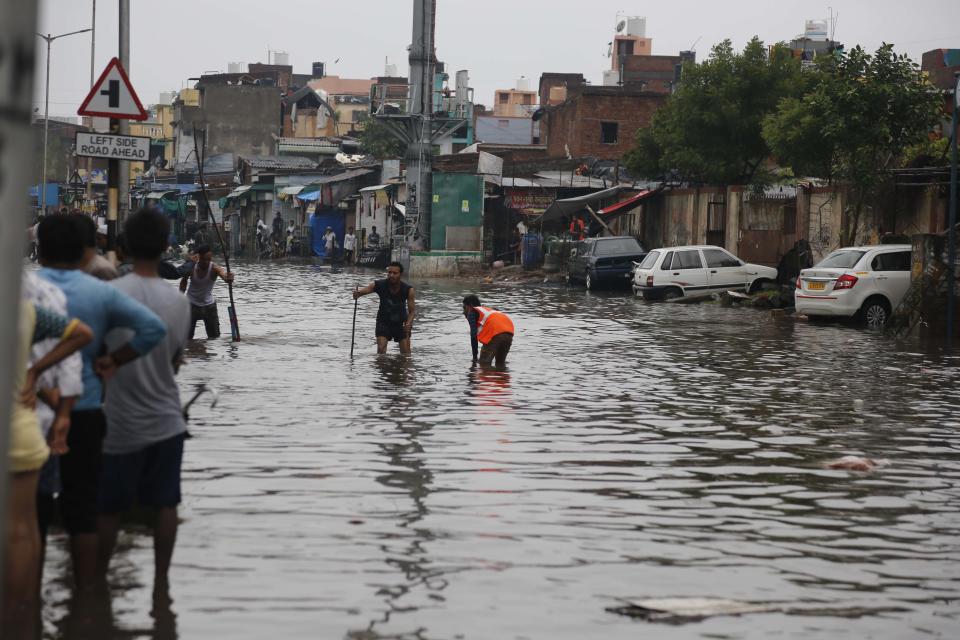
x=756 y=286
x=588 y=281
x=672 y=294
x=875 y=313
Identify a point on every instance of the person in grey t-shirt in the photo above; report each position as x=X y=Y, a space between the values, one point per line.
x=143 y=448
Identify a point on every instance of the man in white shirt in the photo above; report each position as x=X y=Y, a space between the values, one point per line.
x=143 y=448
x=349 y=246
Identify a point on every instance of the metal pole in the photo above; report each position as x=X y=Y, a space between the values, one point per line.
x=46 y=132
x=16 y=159
x=952 y=228
x=124 y=177
x=93 y=46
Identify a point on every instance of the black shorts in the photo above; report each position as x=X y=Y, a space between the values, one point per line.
x=211 y=321
x=391 y=330
x=150 y=476
x=80 y=470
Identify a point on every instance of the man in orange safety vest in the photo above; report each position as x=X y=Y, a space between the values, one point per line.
x=491 y=328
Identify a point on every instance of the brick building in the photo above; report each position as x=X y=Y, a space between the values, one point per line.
x=554 y=87
x=597 y=121
x=658 y=74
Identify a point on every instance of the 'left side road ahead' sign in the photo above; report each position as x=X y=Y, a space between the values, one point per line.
x=107 y=145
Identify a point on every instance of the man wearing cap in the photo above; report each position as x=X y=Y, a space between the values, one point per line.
x=93 y=263
x=330 y=242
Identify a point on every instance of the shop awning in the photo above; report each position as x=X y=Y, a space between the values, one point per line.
x=570 y=206
x=158 y=195
x=308 y=197
x=291 y=191
x=378 y=187
x=239 y=191
x=625 y=206
x=402 y=208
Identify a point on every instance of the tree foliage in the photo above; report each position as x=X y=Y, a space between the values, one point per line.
x=710 y=130
x=857 y=119
x=377 y=140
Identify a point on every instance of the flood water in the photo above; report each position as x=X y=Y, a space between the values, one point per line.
x=630 y=450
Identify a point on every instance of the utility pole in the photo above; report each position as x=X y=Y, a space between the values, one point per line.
x=46 y=116
x=420 y=148
x=123 y=128
x=952 y=228
x=16 y=162
x=93 y=46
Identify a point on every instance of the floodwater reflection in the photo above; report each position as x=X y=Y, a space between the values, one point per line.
x=628 y=450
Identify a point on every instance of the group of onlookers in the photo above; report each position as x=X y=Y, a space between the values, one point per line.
x=97 y=423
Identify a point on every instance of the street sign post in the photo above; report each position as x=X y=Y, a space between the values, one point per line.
x=113 y=147
x=112 y=96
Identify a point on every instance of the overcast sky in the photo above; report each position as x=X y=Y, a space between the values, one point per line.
x=498 y=41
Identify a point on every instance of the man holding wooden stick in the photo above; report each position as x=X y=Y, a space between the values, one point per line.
x=397 y=308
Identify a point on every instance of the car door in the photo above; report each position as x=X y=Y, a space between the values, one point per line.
x=724 y=270
x=891 y=274
x=687 y=270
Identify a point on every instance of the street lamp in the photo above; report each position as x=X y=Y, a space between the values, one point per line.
x=46 y=114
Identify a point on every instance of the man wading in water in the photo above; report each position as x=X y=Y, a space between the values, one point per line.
x=397 y=308
x=198 y=285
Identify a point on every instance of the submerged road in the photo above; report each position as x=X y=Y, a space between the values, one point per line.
x=630 y=450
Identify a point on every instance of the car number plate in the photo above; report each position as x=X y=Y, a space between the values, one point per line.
x=816 y=286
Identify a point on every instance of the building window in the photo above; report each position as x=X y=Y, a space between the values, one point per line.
x=608 y=132
x=504 y=98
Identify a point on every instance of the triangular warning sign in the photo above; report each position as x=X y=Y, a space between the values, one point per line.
x=112 y=96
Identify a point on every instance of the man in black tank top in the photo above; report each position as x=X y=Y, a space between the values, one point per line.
x=397 y=308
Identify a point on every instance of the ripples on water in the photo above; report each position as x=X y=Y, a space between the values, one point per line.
x=630 y=450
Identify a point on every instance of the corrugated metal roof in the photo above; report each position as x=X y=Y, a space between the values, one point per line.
x=291 y=191
x=378 y=187
x=346 y=175
x=279 y=162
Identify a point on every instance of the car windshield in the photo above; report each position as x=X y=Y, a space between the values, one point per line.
x=842 y=259
x=650 y=260
x=618 y=245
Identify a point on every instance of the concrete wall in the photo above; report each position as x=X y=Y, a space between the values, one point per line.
x=656 y=72
x=239 y=118
x=457 y=202
x=494 y=130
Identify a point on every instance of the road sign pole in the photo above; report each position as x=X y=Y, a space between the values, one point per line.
x=124 y=129
x=113 y=199
x=952 y=228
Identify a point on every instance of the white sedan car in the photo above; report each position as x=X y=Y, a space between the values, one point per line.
x=868 y=282
x=674 y=272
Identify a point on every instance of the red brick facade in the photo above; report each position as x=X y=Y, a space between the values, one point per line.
x=576 y=127
x=655 y=73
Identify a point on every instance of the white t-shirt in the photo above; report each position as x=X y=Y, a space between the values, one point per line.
x=521 y=227
x=142 y=402
x=349 y=242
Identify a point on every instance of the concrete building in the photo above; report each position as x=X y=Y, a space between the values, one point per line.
x=601 y=122
x=504 y=130
x=815 y=40
x=518 y=102
x=940 y=65
x=350 y=99
x=240 y=119
x=630 y=40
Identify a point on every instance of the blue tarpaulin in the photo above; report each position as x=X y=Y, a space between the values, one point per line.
x=319 y=222
x=307 y=197
x=53 y=194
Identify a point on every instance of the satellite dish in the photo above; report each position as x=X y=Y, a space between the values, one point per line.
x=621 y=25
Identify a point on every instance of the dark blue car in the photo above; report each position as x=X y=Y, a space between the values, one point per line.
x=598 y=261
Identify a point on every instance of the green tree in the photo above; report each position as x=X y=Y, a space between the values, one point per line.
x=710 y=130
x=377 y=140
x=859 y=117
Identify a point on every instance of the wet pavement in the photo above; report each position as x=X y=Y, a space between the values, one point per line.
x=630 y=450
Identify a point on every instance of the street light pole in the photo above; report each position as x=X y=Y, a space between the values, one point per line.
x=46 y=115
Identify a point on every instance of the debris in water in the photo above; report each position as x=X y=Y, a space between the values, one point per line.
x=856 y=463
x=679 y=610
x=858 y=404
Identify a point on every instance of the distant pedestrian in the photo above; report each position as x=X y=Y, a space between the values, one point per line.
x=143 y=449
x=349 y=246
x=397 y=308
x=330 y=242
x=198 y=285
x=491 y=328
x=93 y=263
x=291 y=236
x=201 y=236
x=373 y=239
x=103 y=308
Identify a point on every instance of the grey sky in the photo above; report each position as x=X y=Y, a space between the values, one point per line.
x=496 y=40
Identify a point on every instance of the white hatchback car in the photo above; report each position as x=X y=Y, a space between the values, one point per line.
x=868 y=282
x=673 y=272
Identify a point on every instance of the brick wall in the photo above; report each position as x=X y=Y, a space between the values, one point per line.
x=656 y=72
x=577 y=123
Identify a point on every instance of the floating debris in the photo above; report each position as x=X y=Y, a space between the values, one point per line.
x=856 y=463
x=680 y=610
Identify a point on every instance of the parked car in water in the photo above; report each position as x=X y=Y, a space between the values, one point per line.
x=863 y=282
x=674 y=272
x=610 y=260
